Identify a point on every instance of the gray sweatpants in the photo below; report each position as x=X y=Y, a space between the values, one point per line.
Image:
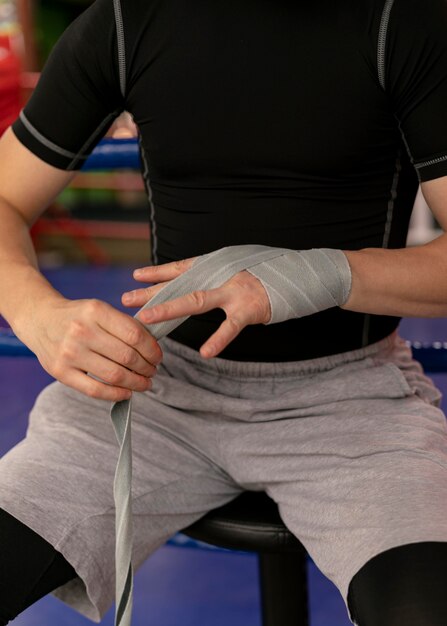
x=352 y=447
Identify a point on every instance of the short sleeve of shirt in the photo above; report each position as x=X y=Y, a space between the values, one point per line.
x=78 y=94
x=415 y=78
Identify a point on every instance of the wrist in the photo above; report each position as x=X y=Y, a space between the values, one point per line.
x=27 y=294
x=303 y=282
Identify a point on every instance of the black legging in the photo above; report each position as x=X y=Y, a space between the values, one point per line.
x=404 y=585
x=29 y=567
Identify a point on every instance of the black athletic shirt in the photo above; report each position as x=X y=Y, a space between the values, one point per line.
x=292 y=124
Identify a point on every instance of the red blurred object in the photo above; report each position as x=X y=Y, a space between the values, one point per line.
x=10 y=83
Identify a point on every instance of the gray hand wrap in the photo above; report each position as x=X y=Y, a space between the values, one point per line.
x=300 y=283
x=297 y=283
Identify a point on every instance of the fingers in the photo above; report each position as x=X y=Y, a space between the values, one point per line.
x=201 y=302
x=166 y=271
x=243 y=298
x=154 y=274
x=130 y=332
x=193 y=303
x=115 y=374
x=94 y=388
x=116 y=351
x=109 y=345
x=139 y=297
x=227 y=331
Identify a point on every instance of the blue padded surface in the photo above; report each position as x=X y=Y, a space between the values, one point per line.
x=112 y=154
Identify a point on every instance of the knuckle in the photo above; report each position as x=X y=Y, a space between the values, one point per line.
x=115 y=376
x=92 y=389
x=57 y=369
x=77 y=329
x=198 y=298
x=67 y=352
x=178 y=265
x=134 y=336
x=128 y=357
x=143 y=384
x=158 y=356
x=93 y=306
x=155 y=356
x=234 y=323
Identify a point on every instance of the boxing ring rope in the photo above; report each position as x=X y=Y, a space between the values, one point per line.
x=114 y=164
x=112 y=154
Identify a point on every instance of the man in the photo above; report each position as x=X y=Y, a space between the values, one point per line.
x=299 y=127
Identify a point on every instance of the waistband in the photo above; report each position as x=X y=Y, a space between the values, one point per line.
x=250 y=369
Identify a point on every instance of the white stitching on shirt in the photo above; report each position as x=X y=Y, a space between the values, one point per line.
x=92 y=137
x=431 y=162
x=391 y=202
x=46 y=142
x=121 y=45
x=147 y=182
x=381 y=43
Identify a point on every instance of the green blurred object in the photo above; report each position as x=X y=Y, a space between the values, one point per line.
x=51 y=19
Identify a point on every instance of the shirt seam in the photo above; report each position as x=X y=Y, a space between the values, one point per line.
x=46 y=142
x=121 y=45
x=92 y=137
x=382 y=41
x=430 y=162
x=392 y=202
x=149 y=193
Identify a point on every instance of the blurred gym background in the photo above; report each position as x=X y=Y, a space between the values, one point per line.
x=102 y=217
x=88 y=242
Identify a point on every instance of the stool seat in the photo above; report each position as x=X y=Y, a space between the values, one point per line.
x=249 y=522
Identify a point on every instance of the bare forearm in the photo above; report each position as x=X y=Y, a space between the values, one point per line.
x=21 y=283
x=409 y=282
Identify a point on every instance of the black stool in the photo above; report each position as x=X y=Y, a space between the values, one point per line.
x=251 y=522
